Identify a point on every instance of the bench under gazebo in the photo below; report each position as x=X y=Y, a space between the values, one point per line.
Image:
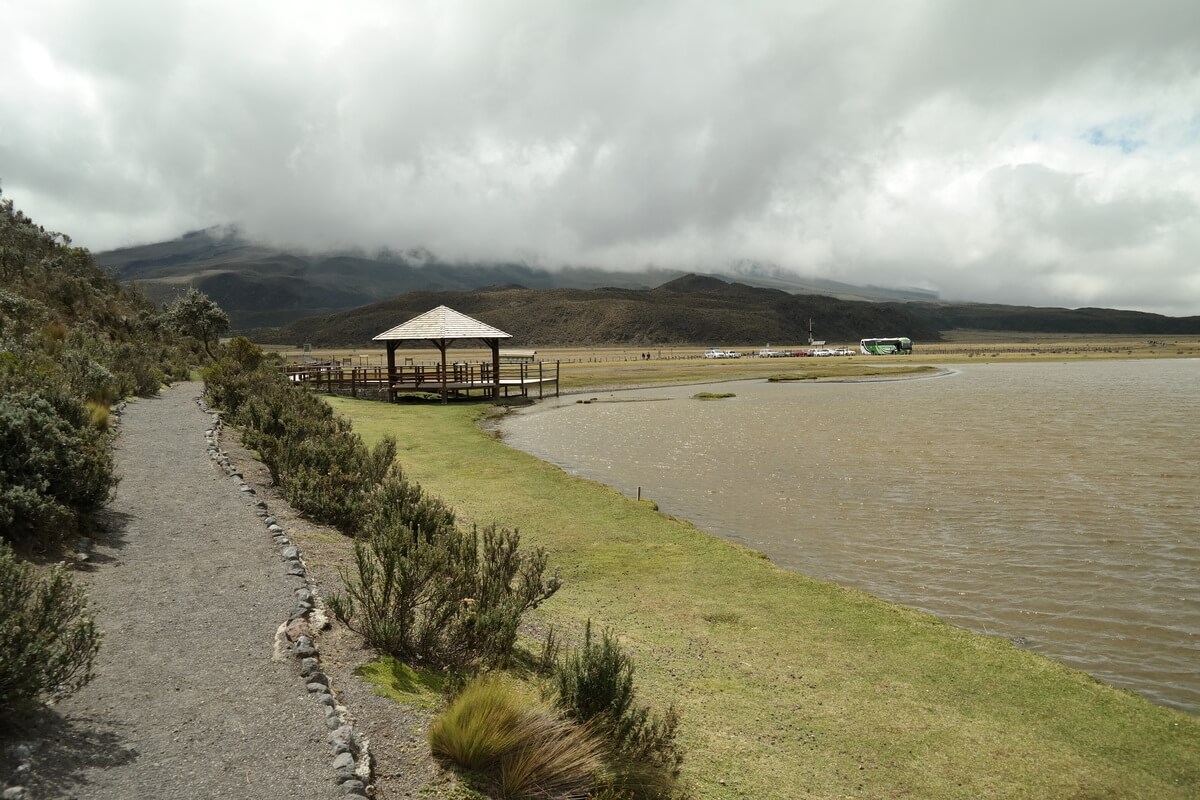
x=442 y=326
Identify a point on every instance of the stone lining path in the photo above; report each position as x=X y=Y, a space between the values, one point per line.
x=190 y=699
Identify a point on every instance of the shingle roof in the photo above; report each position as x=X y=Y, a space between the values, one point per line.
x=443 y=323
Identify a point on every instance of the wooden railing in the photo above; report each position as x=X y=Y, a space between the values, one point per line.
x=460 y=377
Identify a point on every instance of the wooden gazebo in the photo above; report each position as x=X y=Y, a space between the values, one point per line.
x=442 y=326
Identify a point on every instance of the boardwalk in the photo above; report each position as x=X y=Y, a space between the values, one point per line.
x=188 y=589
x=461 y=379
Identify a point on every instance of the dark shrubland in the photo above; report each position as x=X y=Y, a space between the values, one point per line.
x=72 y=343
x=322 y=466
x=55 y=466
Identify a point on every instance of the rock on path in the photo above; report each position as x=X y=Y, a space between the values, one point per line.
x=188 y=700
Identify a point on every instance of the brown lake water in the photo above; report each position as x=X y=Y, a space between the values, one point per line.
x=1053 y=504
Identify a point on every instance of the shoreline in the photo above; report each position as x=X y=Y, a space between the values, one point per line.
x=730 y=636
x=574 y=444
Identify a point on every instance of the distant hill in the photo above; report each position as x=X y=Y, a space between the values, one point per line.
x=992 y=317
x=264 y=287
x=689 y=309
x=266 y=290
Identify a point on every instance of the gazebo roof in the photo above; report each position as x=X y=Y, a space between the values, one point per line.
x=442 y=323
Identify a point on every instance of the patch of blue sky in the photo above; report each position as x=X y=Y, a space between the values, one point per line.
x=1191 y=134
x=1127 y=135
x=1102 y=137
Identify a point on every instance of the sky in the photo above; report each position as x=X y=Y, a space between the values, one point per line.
x=1042 y=153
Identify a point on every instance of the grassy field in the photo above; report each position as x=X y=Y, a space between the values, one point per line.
x=596 y=367
x=791 y=687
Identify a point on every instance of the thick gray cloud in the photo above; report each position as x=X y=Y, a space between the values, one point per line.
x=1034 y=153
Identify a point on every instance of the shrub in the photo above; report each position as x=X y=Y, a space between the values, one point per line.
x=400 y=503
x=443 y=596
x=322 y=465
x=424 y=590
x=47 y=640
x=55 y=467
x=506 y=584
x=595 y=686
x=527 y=750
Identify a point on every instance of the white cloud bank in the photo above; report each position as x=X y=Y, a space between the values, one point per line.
x=1042 y=153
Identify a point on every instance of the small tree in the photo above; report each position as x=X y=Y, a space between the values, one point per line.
x=195 y=315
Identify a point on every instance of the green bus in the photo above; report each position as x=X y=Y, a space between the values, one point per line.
x=895 y=346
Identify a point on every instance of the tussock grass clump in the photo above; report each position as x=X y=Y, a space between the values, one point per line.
x=479 y=726
x=524 y=749
x=47 y=639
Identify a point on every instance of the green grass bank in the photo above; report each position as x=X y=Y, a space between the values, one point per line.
x=791 y=687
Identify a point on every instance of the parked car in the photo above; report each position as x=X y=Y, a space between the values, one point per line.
x=843 y=351
x=713 y=352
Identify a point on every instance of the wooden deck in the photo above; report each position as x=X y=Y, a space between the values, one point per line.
x=461 y=379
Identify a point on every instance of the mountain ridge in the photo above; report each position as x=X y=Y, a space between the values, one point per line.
x=267 y=291
x=262 y=287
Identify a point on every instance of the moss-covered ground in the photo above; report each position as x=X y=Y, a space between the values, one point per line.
x=791 y=687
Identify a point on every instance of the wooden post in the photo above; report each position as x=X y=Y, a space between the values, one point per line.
x=391 y=370
x=541 y=385
x=495 y=344
x=441 y=344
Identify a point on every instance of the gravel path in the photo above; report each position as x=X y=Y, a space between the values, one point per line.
x=190 y=699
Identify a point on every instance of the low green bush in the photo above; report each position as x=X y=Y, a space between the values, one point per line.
x=442 y=596
x=321 y=464
x=595 y=686
x=422 y=590
x=55 y=467
x=398 y=502
x=47 y=639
